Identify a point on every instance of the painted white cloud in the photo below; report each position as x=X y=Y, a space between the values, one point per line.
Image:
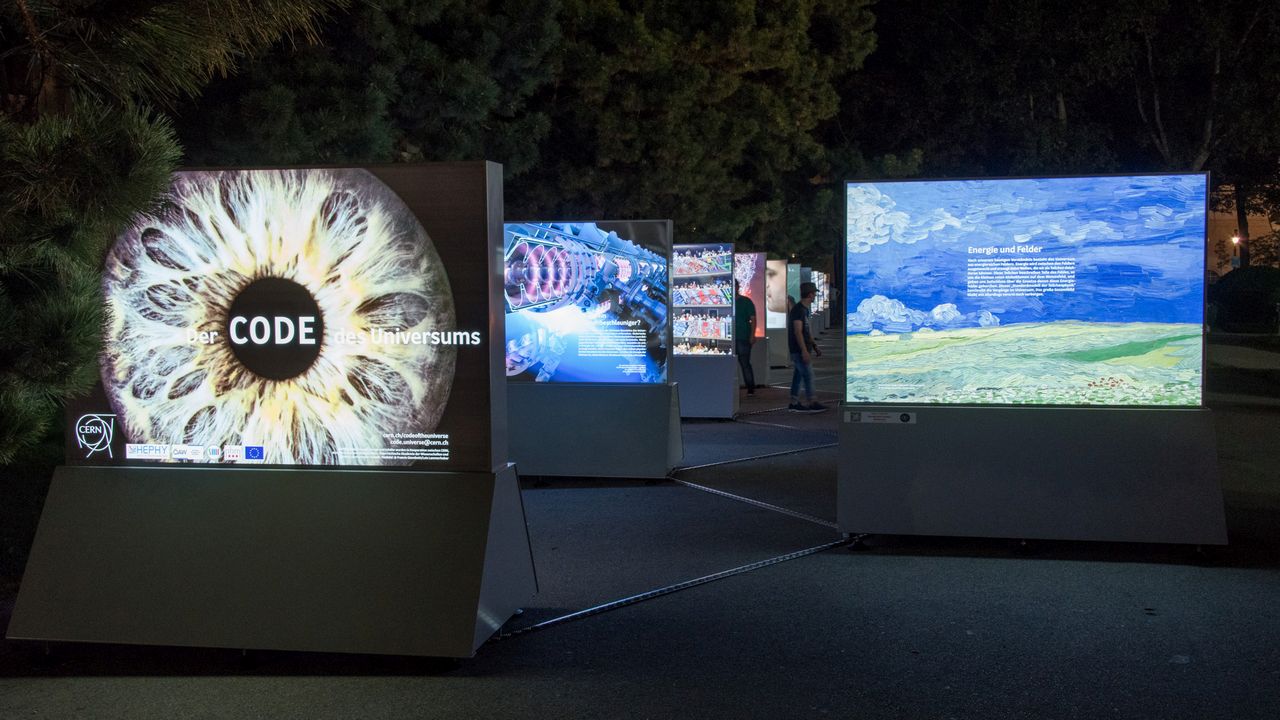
x=945 y=314
x=1068 y=228
x=872 y=219
x=884 y=313
x=1162 y=218
x=890 y=314
x=1004 y=203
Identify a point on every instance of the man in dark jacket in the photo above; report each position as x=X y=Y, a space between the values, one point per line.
x=800 y=343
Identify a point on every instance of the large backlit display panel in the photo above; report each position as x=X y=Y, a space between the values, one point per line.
x=702 y=299
x=299 y=317
x=1039 y=291
x=586 y=302
x=820 y=281
x=749 y=272
x=775 y=292
x=793 y=282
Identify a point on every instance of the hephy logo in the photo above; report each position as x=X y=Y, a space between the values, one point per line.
x=94 y=433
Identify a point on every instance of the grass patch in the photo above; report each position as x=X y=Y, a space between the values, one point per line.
x=1129 y=349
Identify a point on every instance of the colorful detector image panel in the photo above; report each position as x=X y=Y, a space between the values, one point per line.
x=584 y=304
x=820 y=301
x=1050 y=291
x=702 y=303
x=749 y=273
x=277 y=317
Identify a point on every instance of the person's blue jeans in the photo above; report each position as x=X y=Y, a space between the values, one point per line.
x=801 y=375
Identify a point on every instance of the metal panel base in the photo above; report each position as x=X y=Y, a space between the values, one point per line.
x=392 y=562
x=779 y=357
x=1137 y=475
x=708 y=385
x=626 y=431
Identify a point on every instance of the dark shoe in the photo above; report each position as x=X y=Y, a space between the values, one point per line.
x=816 y=407
x=797 y=407
x=751 y=391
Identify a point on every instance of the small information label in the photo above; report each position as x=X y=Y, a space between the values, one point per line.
x=880 y=417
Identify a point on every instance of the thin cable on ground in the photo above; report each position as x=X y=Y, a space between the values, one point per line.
x=762 y=412
x=757 y=503
x=754 y=457
x=815 y=392
x=785 y=427
x=667 y=590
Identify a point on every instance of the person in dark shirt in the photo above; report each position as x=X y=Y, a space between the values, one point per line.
x=800 y=343
x=744 y=335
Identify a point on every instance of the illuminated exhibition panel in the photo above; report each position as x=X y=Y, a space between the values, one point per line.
x=702 y=299
x=775 y=289
x=749 y=272
x=310 y=317
x=820 y=302
x=588 y=331
x=585 y=303
x=1058 y=291
x=1024 y=360
x=793 y=282
x=300 y=420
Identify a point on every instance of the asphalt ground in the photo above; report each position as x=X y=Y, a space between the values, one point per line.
x=902 y=627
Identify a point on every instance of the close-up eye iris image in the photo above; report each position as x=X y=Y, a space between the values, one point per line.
x=283 y=309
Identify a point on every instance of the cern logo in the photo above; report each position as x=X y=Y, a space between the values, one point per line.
x=94 y=433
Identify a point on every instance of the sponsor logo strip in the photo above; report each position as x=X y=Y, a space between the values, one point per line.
x=146 y=451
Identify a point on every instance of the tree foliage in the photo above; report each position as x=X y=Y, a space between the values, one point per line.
x=989 y=88
x=393 y=80
x=707 y=113
x=1015 y=87
x=123 y=50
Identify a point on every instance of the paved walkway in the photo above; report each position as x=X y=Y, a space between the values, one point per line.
x=928 y=628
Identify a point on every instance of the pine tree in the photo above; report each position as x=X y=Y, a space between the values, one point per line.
x=81 y=151
x=704 y=112
x=395 y=80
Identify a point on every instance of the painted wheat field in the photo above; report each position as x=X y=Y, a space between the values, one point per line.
x=1055 y=363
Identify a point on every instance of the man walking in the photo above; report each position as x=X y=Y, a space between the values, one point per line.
x=800 y=343
x=744 y=335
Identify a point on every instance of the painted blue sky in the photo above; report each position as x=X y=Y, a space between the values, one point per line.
x=1138 y=242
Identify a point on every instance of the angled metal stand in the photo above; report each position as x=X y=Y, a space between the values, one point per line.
x=594 y=430
x=708 y=385
x=1113 y=474
x=392 y=562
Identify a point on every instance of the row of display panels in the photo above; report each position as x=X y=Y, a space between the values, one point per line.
x=342 y=316
x=596 y=302
x=783 y=291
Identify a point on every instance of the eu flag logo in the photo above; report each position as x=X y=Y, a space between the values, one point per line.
x=253 y=452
